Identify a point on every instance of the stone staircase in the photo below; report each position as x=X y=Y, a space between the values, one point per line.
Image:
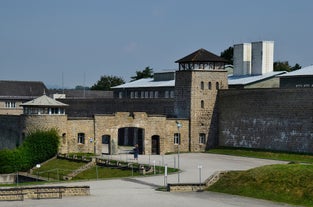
x=79 y=170
x=187 y=187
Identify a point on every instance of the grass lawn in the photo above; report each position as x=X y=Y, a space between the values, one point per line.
x=99 y=172
x=57 y=168
x=289 y=183
x=292 y=157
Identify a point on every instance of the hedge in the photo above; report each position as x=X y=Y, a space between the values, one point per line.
x=38 y=147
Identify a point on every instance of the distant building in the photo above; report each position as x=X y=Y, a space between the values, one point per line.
x=253 y=66
x=301 y=78
x=14 y=93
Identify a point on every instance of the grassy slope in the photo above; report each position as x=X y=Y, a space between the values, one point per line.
x=292 y=183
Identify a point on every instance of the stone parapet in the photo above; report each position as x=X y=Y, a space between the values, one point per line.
x=45 y=192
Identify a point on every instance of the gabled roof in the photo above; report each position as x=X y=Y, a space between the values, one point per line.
x=201 y=55
x=44 y=101
x=22 y=88
x=306 y=71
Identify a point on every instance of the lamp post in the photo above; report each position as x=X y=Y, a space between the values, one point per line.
x=38 y=166
x=179 y=125
x=200 y=168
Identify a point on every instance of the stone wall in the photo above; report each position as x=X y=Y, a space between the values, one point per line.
x=272 y=119
x=196 y=92
x=98 y=125
x=89 y=107
x=152 y=125
x=45 y=192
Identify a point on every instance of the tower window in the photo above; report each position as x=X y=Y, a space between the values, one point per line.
x=217 y=85
x=202 y=104
x=202 y=85
x=210 y=85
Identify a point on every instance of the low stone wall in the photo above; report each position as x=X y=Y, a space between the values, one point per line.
x=7 y=178
x=187 y=187
x=45 y=192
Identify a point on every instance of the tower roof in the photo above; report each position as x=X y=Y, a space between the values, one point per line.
x=201 y=55
x=44 y=100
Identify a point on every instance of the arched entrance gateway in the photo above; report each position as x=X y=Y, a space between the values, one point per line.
x=129 y=136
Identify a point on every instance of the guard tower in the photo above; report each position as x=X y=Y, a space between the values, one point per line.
x=198 y=79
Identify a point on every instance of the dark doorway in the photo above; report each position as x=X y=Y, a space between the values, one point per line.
x=129 y=136
x=106 y=144
x=155 y=145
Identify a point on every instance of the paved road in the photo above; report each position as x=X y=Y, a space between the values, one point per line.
x=140 y=191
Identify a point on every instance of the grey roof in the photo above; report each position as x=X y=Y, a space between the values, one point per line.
x=306 y=71
x=22 y=88
x=232 y=80
x=248 y=79
x=73 y=93
x=201 y=55
x=44 y=100
x=146 y=83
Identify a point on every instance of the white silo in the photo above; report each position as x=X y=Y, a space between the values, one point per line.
x=262 y=57
x=242 y=59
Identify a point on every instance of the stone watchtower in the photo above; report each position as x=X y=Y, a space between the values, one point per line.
x=200 y=76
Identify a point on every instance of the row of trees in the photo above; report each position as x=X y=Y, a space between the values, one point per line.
x=106 y=82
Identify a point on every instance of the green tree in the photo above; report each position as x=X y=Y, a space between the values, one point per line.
x=146 y=73
x=106 y=82
x=228 y=54
x=79 y=87
x=38 y=146
x=296 y=67
x=284 y=66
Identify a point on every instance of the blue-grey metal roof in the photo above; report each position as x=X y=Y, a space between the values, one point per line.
x=232 y=80
x=306 y=71
x=146 y=83
x=248 y=79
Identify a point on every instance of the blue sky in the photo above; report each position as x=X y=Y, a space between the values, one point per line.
x=78 y=41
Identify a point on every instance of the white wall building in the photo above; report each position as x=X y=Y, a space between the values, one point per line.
x=262 y=57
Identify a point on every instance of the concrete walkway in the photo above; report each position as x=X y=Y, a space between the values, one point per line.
x=140 y=191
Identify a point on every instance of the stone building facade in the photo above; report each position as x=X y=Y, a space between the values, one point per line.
x=183 y=120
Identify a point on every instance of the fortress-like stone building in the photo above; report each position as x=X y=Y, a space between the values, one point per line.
x=191 y=109
x=175 y=116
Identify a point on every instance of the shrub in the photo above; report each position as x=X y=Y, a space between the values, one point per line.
x=38 y=146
